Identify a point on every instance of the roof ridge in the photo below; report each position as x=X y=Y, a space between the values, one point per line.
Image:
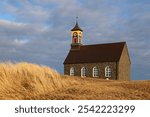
x=106 y=43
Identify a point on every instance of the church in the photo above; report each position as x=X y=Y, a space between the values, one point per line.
x=104 y=61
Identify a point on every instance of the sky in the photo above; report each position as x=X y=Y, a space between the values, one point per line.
x=38 y=31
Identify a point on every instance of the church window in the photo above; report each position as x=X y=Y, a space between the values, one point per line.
x=108 y=71
x=75 y=40
x=72 y=71
x=83 y=72
x=95 y=72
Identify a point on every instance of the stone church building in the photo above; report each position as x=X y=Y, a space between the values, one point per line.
x=105 y=61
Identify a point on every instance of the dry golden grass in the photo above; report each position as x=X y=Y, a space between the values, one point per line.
x=31 y=81
x=98 y=89
x=24 y=80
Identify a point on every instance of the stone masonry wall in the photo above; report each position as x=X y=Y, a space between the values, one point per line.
x=89 y=68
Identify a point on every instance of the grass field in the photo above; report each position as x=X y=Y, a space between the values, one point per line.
x=96 y=89
x=30 y=81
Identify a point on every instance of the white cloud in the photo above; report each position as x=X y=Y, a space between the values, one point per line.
x=42 y=27
x=20 y=42
x=7 y=23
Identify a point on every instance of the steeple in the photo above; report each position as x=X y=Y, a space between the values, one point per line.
x=77 y=27
x=76 y=33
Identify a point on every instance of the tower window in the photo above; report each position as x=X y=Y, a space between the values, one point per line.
x=72 y=71
x=95 y=72
x=75 y=40
x=75 y=37
x=83 y=72
x=108 y=71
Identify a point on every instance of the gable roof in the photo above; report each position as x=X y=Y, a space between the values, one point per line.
x=110 y=52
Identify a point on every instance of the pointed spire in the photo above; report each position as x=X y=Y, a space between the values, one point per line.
x=76 y=27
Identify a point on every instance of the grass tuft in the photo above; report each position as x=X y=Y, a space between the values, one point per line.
x=25 y=80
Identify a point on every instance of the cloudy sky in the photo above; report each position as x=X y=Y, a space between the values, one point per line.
x=38 y=31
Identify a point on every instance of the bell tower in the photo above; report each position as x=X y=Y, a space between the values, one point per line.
x=76 y=33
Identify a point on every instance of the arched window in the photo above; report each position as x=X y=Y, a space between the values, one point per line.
x=72 y=71
x=83 y=72
x=108 y=72
x=95 y=72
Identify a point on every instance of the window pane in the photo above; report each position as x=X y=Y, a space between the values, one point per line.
x=107 y=71
x=72 y=71
x=95 y=72
x=83 y=72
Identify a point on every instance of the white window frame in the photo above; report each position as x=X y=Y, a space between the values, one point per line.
x=83 y=72
x=108 y=72
x=72 y=71
x=95 y=72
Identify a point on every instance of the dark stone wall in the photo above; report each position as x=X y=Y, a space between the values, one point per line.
x=89 y=67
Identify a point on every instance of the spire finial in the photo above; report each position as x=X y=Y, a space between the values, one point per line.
x=77 y=18
x=76 y=27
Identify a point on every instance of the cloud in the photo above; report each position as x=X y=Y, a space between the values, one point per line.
x=39 y=30
x=20 y=42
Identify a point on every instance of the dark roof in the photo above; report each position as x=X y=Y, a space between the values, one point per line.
x=76 y=27
x=110 y=52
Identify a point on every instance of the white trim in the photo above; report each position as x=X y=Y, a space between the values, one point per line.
x=72 y=71
x=108 y=72
x=83 y=72
x=95 y=72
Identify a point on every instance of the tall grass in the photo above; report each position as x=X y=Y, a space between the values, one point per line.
x=24 y=80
